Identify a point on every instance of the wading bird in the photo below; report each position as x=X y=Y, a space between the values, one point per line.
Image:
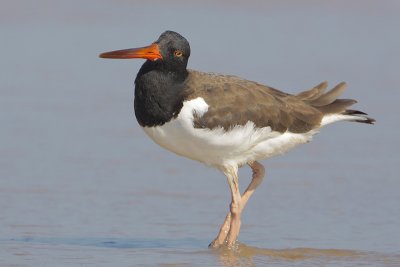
x=225 y=121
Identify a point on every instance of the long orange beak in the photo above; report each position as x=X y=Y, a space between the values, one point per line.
x=151 y=52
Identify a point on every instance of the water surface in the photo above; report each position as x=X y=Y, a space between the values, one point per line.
x=80 y=183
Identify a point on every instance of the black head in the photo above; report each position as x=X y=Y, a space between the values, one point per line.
x=170 y=52
x=174 y=49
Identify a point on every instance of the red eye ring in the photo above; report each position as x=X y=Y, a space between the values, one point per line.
x=178 y=53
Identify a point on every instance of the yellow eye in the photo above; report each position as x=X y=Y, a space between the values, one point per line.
x=178 y=53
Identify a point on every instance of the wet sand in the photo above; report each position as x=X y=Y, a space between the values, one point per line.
x=81 y=184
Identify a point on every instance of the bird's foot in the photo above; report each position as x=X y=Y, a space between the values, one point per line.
x=216 y=244
x=220 y=240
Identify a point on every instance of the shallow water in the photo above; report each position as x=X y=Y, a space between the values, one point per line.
x=142 y=252
x=80 y=183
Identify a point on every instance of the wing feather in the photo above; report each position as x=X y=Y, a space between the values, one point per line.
x=233 y=101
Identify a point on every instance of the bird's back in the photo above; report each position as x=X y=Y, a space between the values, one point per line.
x=234 y=101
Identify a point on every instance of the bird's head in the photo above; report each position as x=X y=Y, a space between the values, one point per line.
x=171 y=52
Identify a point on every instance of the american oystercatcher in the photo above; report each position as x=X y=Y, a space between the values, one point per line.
x=225 y=121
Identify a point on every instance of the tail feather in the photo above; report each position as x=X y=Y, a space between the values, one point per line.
x=359 y=116
x=330 y=118
x=337 y=106
x=366 y=120
x=354 y=112
x=333 y=109
x=313 y=93
x=330 y=96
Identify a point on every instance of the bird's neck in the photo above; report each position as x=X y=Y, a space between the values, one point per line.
x=158 y=94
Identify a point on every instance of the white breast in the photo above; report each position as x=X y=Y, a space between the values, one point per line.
x=218 y=147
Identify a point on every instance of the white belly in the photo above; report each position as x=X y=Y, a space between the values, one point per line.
x=218 y=147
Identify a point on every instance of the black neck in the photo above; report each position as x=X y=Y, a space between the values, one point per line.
x=158 y=94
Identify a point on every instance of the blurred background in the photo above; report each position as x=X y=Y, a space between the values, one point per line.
x=80 y=183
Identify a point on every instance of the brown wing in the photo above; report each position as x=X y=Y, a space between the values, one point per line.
x=233 y=101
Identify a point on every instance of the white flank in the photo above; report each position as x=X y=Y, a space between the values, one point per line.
x=217 y=147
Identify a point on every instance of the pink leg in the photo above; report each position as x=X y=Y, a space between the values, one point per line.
x=223 y=232
x=258 y=174
x=235 y=207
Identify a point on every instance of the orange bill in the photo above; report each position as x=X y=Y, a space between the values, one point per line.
x=151 y=52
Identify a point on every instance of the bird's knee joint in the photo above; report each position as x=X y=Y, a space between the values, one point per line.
x=258 y=171
x=236 y=209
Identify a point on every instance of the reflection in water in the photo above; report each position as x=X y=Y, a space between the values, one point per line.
x=294 y=253
x=244 y=255
x=241 y=255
